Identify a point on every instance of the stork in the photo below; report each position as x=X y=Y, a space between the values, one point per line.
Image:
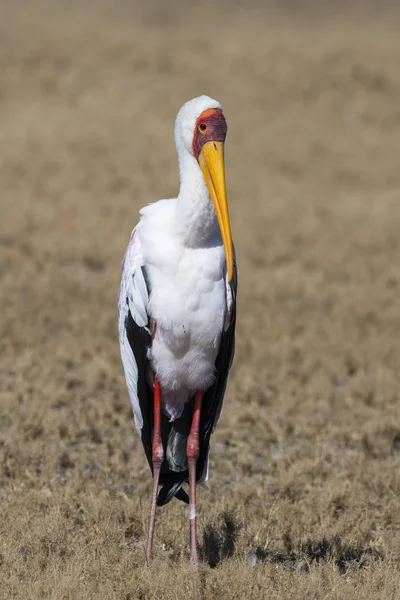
x=177 y=312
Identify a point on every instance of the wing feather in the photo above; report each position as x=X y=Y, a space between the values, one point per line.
x=214 y=396
x=133 y=302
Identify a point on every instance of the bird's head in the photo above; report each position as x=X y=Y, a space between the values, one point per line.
x=200 y=130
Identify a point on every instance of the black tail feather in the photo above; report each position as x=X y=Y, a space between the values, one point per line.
x=182 y=496
x=172 y=487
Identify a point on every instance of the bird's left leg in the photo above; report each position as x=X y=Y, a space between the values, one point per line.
x=193 y=448
x=157 y=458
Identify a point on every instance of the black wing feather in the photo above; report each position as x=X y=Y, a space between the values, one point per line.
x=139 y=340
x=214 y=396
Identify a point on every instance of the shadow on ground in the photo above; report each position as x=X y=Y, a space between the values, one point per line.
x=219 y=541
x=314 y=552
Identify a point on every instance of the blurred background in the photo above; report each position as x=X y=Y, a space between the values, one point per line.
x=303 y=499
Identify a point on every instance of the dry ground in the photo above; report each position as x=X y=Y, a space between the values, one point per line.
x=303 y=500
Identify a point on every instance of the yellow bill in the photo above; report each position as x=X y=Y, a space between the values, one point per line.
x=211 y=160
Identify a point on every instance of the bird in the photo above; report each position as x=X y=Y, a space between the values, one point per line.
x=177 y=314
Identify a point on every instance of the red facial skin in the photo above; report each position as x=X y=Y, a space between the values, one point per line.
x=210 y=127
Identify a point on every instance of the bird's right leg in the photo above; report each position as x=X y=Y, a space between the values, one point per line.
x=157 y=458
x=193 y=448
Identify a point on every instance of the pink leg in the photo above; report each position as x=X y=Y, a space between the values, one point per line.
x=157 y=457
x=192 y=454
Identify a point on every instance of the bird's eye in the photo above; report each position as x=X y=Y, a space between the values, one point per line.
x=202 y=127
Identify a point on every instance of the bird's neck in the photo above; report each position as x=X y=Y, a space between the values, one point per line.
x=196 y=216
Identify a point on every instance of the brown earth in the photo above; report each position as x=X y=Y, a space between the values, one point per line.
x=304 y=495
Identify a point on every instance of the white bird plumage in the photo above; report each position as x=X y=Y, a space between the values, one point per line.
x=179 y=242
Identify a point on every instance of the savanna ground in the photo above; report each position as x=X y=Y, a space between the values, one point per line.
x=304 y=495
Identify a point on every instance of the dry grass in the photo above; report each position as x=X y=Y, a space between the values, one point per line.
x=304 y=495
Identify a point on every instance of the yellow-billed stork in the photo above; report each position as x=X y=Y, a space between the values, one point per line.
x=177 y=309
